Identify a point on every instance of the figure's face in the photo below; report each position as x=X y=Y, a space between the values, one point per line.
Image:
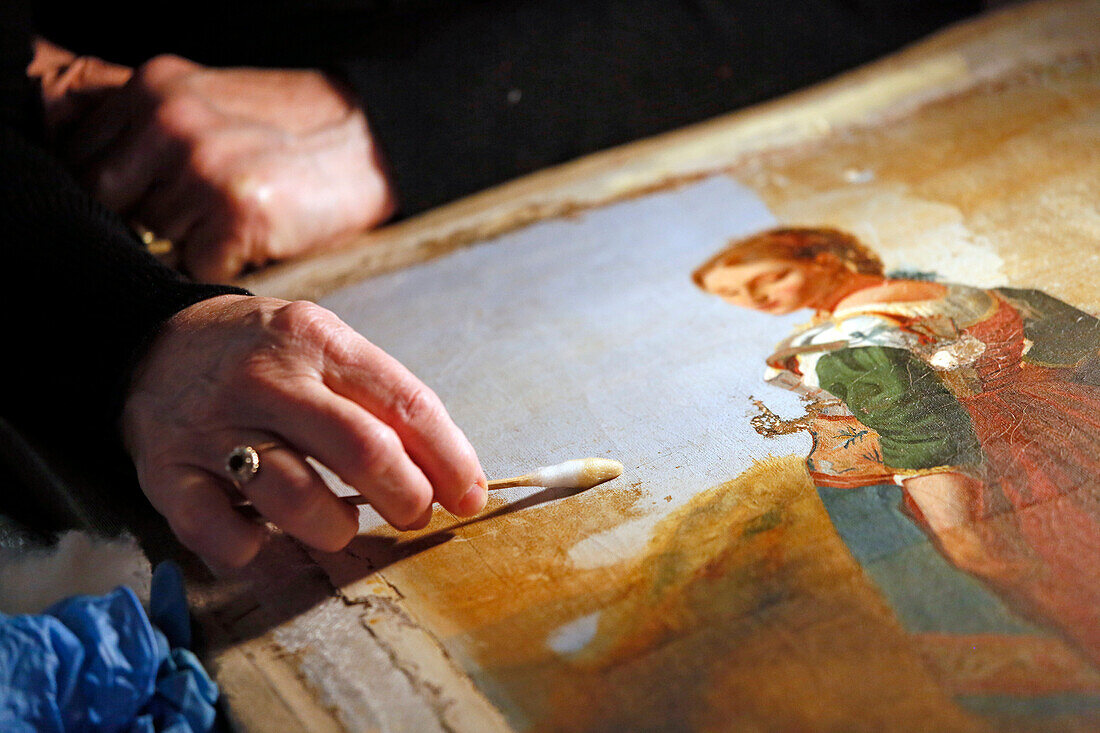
x=772 y=286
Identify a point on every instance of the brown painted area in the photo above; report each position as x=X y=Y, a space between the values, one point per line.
x=499 y=569
x=745 y=609
x=996 y=663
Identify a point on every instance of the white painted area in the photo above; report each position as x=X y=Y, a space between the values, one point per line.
x=575 y=635
x=909 y=233
x=606 y=548
x=859 y=175
x=586 y=337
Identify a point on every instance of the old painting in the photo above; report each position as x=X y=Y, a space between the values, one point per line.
x=953 y=419
x=860 y=491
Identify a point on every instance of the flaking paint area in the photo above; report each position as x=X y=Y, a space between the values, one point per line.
x=962 y=176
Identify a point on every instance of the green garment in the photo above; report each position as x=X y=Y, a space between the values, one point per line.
x=1060 y=335
x=920 y=423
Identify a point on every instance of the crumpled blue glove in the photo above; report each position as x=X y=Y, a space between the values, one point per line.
x=99 y=663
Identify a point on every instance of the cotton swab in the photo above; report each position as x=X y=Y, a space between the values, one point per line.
x=579 y=473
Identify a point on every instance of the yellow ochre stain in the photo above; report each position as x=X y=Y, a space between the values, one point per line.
x=744 y=599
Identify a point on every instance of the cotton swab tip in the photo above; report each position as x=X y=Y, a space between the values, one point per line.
x=579 y=473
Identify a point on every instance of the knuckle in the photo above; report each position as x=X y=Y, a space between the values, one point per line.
x=242 y=554
x=300 y=495
x=410 y=505
x=204 y=157
x=189 y=528
x=248 y=206
x=175 y=115
x=414 y=403
x=338 y=536
x=160 y=68
x=300 y=316
x=248 y=186
x=238 y=553
x=465 y=466
x=379 y=448
x=304 y=322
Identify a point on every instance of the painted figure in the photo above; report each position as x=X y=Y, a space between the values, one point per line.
x=983 y=405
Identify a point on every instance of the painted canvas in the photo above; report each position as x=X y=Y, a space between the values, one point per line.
x=853 y=382
x=887 y=519
x=946 y=417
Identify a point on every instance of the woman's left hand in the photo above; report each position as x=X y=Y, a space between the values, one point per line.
x=236 y=167
x=71 y=85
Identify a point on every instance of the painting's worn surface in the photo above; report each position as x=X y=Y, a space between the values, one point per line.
x=718 y=584
x=953 y=419
x=710 y=584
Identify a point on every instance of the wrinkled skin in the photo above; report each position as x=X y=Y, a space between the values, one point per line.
x=240 y=369
x=237 y=167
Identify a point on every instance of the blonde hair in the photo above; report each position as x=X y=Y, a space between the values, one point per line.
x=795 y=243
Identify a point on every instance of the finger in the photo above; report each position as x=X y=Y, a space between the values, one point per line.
x=81 y=86
x=96 y=74
x=201 y=515
x=126 y=170
x=424 y=520
x=363 y=451
x=291 y=494
x=91 y=135
x=210 y=252
x=172 y=208
x=372 y=378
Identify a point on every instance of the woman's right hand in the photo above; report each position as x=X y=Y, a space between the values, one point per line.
x=236 y=370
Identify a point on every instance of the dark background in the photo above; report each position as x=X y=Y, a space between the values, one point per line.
x=464 y=95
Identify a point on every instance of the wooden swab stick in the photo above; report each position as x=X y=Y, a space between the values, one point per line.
x=579 y=473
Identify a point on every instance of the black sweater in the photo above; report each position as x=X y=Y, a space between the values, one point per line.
x=82 y=299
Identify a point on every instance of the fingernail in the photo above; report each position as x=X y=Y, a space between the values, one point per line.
x=473 y=501
x=424 y=520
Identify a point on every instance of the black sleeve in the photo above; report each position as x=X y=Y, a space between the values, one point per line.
x=82 y=296
x=81 y=299
x=467 y=95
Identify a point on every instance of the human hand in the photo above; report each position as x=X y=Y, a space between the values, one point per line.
x=238 y=370
x=237 y=167
x=71 y=85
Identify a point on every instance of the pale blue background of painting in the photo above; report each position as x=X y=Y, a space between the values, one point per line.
x=586 y=336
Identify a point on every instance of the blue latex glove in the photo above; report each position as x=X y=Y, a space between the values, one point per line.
x=168 y=605
x=96 y=662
